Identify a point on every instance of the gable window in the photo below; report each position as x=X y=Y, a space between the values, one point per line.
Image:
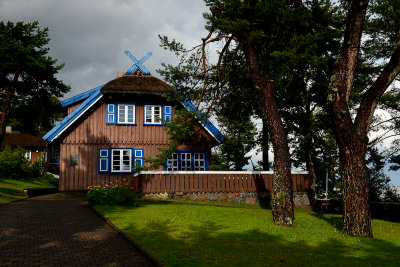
x=187 y=160
x=121 y=160
x=126 y=114
x=152 y=114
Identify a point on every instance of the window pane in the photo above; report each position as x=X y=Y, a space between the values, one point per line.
x=131 y=114
x=121 y=160
x=199 y=162
x=121 y=113
x=157 y=114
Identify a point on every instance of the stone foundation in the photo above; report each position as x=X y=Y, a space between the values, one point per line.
x=301 y=199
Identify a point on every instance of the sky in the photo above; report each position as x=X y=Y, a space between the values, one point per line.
x=90 y=37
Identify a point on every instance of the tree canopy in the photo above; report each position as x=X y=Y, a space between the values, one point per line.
x=304 y=68
x=28 y=81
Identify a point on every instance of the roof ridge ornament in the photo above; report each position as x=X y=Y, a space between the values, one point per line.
x=138 y=68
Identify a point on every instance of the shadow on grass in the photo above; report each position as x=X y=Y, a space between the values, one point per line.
x=335 y=222
x=207 y=243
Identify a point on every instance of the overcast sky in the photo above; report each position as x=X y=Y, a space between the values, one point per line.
x=90 y=36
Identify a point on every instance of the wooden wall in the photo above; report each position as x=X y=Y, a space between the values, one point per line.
x=90 y=132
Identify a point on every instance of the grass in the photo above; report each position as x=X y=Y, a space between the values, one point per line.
x=13 y=189
x=190 y=235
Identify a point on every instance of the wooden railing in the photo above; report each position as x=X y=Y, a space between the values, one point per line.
x=215 y=181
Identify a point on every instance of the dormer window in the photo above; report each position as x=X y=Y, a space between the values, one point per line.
x=152 y=114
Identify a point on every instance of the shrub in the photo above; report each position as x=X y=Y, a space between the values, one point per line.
x=13 y=164
x=97 y=194
x=38 y=167
x=114 y=194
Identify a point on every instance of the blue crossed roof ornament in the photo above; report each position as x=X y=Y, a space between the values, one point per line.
x=138 y=63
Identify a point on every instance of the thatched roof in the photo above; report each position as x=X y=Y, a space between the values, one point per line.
x=23 y=140
x=133 y=84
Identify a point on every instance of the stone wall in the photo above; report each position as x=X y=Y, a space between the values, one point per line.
x=301 y=199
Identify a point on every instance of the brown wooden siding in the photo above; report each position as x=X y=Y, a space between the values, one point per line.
x=73 y=107
x=90 y=132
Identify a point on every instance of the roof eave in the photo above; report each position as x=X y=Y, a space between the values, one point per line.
x=73 y=116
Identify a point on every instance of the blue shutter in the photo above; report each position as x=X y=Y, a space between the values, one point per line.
x=104 y=160
x=111 y=113
x=167 y=116
x=138 y=155
x=206 y=166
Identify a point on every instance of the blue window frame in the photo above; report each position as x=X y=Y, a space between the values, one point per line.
x=121 y=113
x=156 y=114
x=152 y=114
x=119 y=160
x=187 y=160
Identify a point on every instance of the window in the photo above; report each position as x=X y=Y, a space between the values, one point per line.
x=187 y=160
x=126 y=114
x=121 y=114
x=172 y=163
x=117 y=160
x=28 y=155
x=121 y=160
x=199 y=162
x=152 y=114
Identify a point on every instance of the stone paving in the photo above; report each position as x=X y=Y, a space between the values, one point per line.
x=61 y=231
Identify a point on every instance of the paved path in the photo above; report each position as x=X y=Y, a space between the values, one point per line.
x=61 y=231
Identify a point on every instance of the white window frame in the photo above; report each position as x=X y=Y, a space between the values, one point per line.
x=28 y=155
x=152 y=114
x=186 y=161
x=173 y=162
x=121 y=160
x=123 y=116
x=199 y=160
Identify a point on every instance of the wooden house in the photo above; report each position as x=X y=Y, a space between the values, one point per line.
x=113 y=127
x=34 y=145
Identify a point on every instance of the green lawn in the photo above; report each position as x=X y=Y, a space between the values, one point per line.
x=13 y=189
x=188 y=235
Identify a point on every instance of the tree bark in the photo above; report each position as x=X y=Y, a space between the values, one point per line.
x=352 y=143
x=356 y=185
x=283 y=212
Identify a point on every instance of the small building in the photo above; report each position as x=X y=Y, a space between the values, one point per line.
x=34 y=145
x=115 y=126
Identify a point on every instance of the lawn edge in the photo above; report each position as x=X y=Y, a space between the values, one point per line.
x=17 y=200
x=134 y=243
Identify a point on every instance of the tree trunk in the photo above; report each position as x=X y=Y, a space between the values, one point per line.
x=355 y=179
x=5 y=112
x=264 y=146
x=282 y=208
x=352 y=137
x=4 y=115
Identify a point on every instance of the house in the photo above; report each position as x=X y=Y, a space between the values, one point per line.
x=34 y=145
x=113 y=127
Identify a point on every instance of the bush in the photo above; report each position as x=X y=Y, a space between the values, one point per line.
x=13 y=164
x=38 y=167
x=114 y=194
x=97 y=195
